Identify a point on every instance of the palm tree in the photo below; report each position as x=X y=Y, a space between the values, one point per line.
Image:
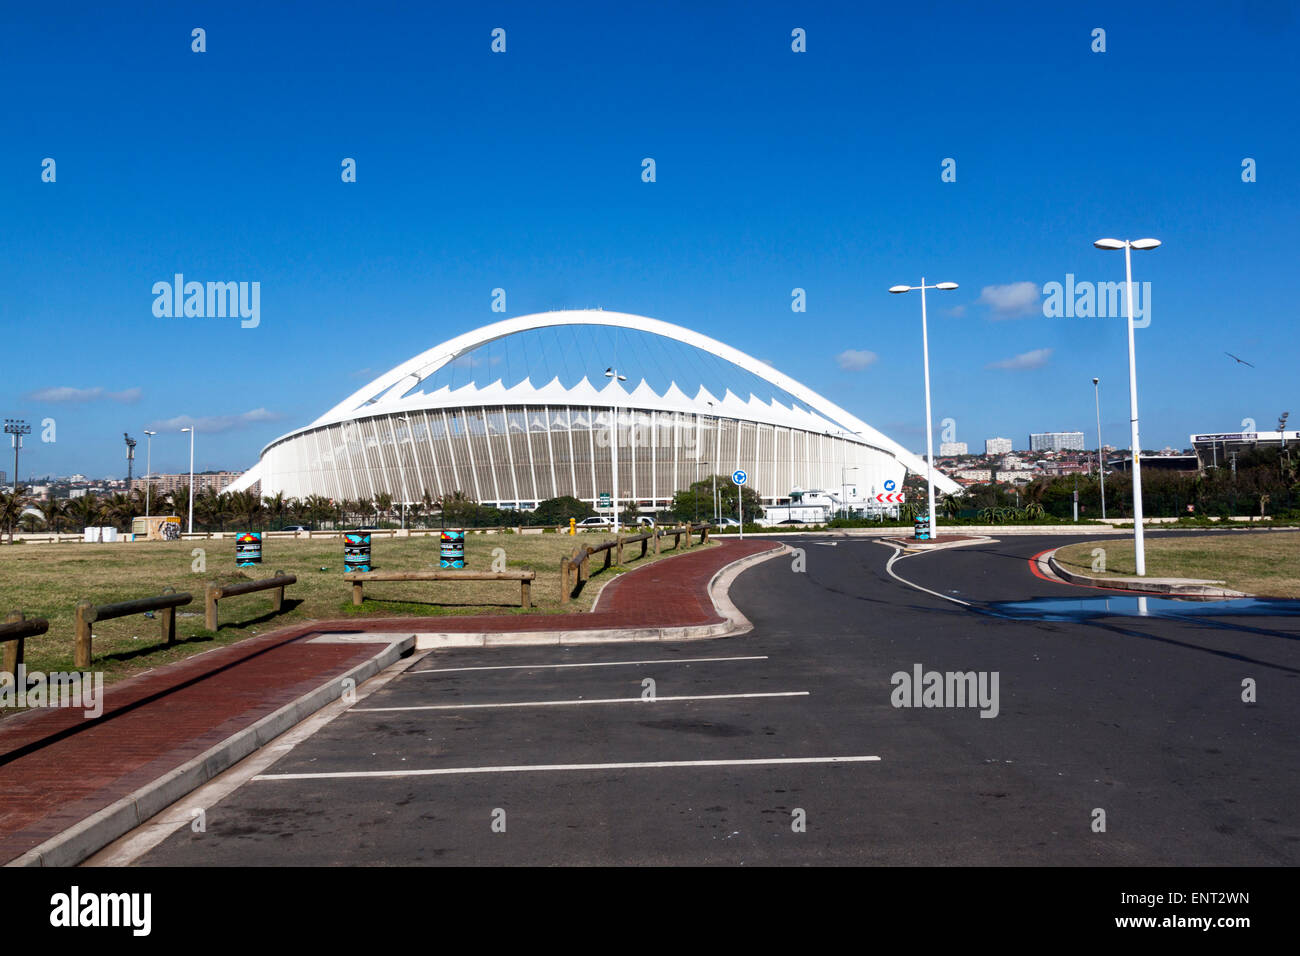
x=119 y=509
x=383 y=503
x=11 y=509
x=85 y=511
x=276 y=507
x=179 y=501
x=53 y=509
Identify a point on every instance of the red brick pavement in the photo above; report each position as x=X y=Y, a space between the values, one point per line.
x=57 y=767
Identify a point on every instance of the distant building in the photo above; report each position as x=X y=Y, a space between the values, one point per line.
x=997 y=446
x=165 y=484
x=1056 y=441
x=974 y=474
x=951 y=449
x=1217 y=448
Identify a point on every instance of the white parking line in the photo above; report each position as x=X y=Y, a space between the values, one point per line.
x=529 y=667
x=569 y=703
x=526 y=768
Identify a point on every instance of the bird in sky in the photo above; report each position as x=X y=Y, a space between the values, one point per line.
x=1242 y=361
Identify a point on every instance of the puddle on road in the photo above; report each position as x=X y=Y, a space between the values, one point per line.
x=1091 y=608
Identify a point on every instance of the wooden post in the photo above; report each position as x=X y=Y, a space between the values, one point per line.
x=356 y=592
x=168 y=619
x=525 y=593
x=688 y=535
x=644 y=543
x=210 y=597
x=13 y=655
x=85 y=617
x=277 y=596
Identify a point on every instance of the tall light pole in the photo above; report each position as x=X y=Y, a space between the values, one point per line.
x=1139 y=546
x=612 y=373
x=1101 y=460
x=18 y=428
x=844 y=500
x=929 y=425
x=148 y=467
x=405 y=494
x=190 y=495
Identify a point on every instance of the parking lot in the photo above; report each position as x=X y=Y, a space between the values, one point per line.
x=782 y=746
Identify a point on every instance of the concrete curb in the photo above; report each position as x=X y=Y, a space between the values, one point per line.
x=718 y=588
x=1182 y=587
x=100 y=829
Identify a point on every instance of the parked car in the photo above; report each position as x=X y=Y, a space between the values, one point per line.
x=645 y=521
x=296 y=527
x=727 y=523
x=596 y=521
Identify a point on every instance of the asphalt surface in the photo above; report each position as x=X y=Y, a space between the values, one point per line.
x=1138 y=716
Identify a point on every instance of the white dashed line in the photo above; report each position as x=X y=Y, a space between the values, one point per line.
x=534 y=768
x=569 y=703
x=529 y=667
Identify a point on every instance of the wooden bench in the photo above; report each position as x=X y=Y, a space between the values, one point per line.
x=215 y=592
x=358 y=580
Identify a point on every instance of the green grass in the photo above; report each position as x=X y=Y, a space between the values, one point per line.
x=47 y=580
x=1266 y=564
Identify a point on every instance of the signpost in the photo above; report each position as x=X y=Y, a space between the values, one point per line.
x=604 y=500
x=739 y=477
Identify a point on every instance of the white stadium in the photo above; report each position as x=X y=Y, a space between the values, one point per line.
x=522 y=410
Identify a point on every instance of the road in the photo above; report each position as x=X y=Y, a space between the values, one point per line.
x=1139 y=718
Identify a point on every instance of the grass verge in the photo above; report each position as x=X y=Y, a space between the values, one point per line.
x=1267 y=565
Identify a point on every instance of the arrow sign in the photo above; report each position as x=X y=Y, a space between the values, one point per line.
x=895 y=498
x=889 y=485
x=739 y=477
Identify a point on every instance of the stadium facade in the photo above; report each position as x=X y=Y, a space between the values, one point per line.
x=507 y=442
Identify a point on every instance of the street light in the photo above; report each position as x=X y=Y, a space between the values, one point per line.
x=1139 y=547
x=405 y=493
x=929 y=427
x=148 y=467
x=1101 y=460
x=844 y=500
x=191 y=488
x=612 y=373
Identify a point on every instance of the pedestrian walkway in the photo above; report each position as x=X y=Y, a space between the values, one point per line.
x=58 y=767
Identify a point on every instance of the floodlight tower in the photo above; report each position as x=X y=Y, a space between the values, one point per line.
x=130 y=459
x=18 y=428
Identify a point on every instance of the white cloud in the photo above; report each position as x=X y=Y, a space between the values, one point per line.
x=855 y=360
x=215 y=423
x=66 y=393
x=1012 y=300
x=1035 y=359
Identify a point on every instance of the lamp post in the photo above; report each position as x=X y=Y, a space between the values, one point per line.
x=1101 y=460
x=405 y=493
x=1139 y=547
x=844 y=500
x=929 y=426
x=612 y=373
x=190 y=495
x=148 y=468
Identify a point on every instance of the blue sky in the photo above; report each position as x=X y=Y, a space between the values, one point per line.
x=775 y=170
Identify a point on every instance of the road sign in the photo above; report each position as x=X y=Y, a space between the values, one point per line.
x=891 y=498
x=890 y=486
x=739 y=477
x=604 y=499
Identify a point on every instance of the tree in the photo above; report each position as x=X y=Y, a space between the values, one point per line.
x=697 y=501
x=53 y=509
x=11 y=508
x=558 y=511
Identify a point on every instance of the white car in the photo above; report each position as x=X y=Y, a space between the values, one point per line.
x=596 y=521
x=728 y=523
